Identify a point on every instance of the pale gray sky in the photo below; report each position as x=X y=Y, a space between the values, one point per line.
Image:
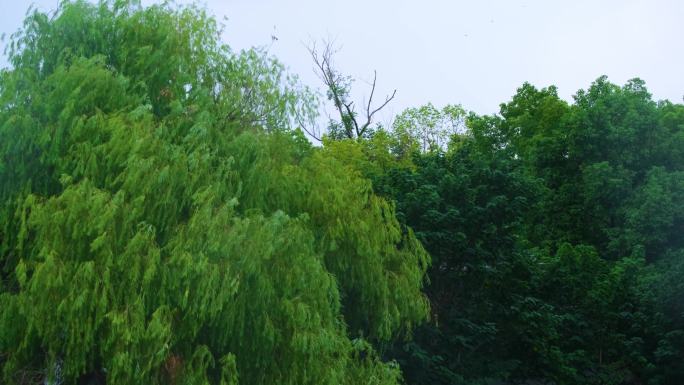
x=475 y=53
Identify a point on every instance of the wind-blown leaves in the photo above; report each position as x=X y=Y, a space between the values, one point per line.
x=162 y=224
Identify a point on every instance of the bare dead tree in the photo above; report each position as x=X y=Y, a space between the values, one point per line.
x=338 y=87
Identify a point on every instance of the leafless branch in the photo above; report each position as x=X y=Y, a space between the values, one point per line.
x=369 y=113
x=370 y=98
x=338 y=91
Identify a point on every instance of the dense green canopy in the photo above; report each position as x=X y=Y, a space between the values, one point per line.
x=555 y=231
x=161 y=223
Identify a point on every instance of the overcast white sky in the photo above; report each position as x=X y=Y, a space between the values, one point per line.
x=475 y=53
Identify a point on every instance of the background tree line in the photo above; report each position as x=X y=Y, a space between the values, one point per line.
x=555 y=231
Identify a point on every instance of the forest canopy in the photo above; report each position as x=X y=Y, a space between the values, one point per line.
x=165 y=219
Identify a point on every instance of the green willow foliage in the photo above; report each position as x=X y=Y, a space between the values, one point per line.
x=161 y=225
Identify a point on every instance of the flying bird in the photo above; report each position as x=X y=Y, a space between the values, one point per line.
x=273 y=35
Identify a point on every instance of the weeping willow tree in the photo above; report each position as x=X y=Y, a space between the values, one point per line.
x=161 y=224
